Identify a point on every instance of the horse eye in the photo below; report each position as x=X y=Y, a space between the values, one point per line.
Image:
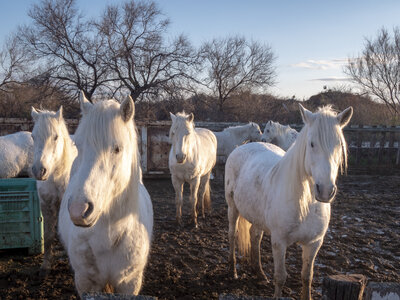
x=56 y=137
x=312 y=145
x=117 y=149
x=268 y=130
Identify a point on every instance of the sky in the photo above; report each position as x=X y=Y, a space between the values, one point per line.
x=311 y=39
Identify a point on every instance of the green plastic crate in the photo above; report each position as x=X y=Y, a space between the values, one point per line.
x=21 y=221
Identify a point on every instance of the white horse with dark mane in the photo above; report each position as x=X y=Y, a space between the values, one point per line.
x=278 y=134
x=193 y=155
x=233 y=136
x=54 y=153
x=286 y=195
x=106 y=215
x=16 y=154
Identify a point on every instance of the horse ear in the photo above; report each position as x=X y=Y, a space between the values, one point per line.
x=59 y=113
x=173 y=117
x=190 y=117
x=307 y=116
x=345 y=116
x=127 y=109
x=84 y=103
x=34 y=114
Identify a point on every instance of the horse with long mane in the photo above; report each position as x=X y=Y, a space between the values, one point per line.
x=278 y=134
x=233 y=136
x=193 y=155
x=16 y=154
x=287 y=195
x=106 y=214
x=54 y=153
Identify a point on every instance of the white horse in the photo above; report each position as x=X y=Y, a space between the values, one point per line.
x=280 y=135
x=106 y=214
x=231 y=137
x=193 y=155
x=287 y=195
x=54 y=153
x=16 y=154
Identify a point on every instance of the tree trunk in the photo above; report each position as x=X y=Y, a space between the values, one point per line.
x=343 y=287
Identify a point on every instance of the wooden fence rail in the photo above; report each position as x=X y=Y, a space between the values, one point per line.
x=370 y=147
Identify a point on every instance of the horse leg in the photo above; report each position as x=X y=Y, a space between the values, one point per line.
x=84 y=282
x=233 y=217
x=255 y=256
x=194 y=188
x=50 y=222
x=131 y=287
x=280 y=274
x=178 y=187
x=308 y=255
x=204 y=192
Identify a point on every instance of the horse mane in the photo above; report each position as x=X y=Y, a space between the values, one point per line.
x=101 y=125
x=328 y=132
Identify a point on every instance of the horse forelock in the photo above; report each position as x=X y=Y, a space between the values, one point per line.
x=48 y=124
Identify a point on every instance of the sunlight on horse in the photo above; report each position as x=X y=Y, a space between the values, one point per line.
x=106 y=215
x=193 y=155
x=54 y=153
x=280 y=135
x=16 y=154
x=234 y=136
x=287 y=195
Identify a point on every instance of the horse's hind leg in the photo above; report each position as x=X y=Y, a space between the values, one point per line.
x=204 y=193
x=194 y=189
x=255 y=256
x=308 y=255
x=233 y=217
x=178 y=187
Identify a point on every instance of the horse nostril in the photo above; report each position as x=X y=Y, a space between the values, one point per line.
x=88 y=210
x=263 y=140
x=318 y=190
x=184 y=156
x=333 y=192
x=42 y=171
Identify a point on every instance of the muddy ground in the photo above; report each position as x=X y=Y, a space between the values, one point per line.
x=189 y=263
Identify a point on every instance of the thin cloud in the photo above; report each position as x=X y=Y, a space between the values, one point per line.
x=321 y=64
x=332 y=79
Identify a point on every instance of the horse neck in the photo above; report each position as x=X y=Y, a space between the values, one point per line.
x=239 y=131
x=63 y=165
x=299 y=184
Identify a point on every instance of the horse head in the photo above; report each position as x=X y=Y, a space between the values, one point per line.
x=49 y=134
x=325 y=148
x=179 y=135
x=107 y=160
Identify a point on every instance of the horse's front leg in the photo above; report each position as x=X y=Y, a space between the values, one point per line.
x=308 y=255
x=194 y=188
x=280 y=274
x=49 y=211
x=178 y=187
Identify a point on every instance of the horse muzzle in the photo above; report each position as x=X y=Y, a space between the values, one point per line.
x=325 y=194
x=180 y=158
x=40 y=173
x=81 y=213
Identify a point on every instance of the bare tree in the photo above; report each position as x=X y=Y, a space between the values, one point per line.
x=137 y=51
x=66 y=43
x=234 y=64
x=14 y=63
x=377 y=69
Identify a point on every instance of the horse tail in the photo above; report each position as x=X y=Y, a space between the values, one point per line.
x=243 y=236
x=207 y=196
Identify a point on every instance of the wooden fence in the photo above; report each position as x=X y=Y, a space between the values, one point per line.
x=371 y=148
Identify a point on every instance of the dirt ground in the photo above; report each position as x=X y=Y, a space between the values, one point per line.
x=189 y=263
